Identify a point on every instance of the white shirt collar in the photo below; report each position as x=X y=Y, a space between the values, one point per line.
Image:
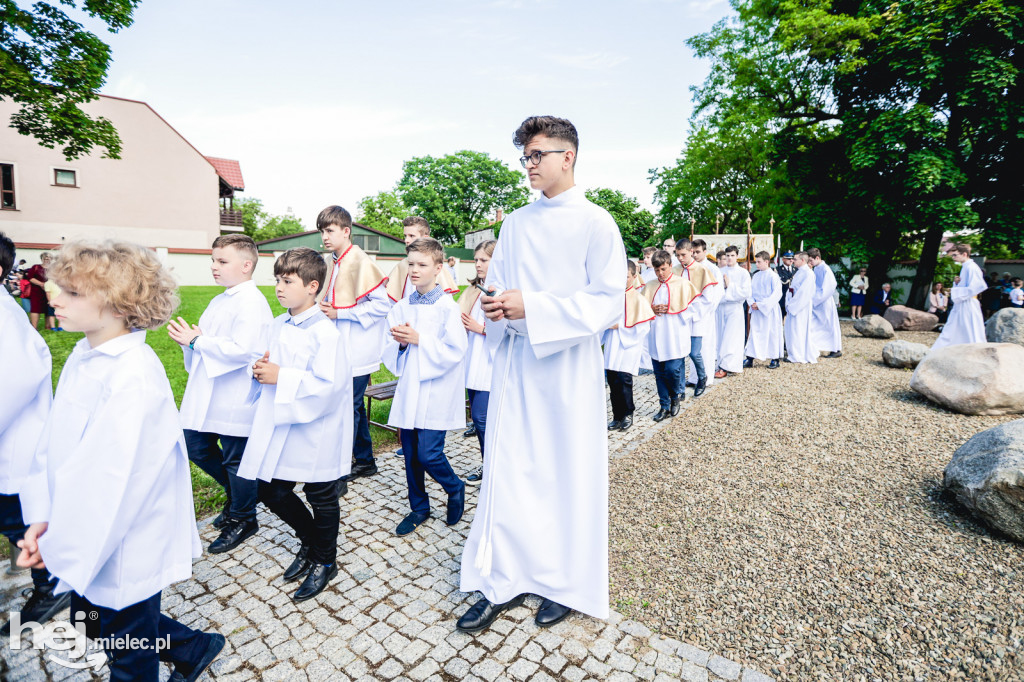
x=116 y=345
x=303 y=316
x=239 y=287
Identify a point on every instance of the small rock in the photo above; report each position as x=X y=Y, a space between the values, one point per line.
x=903 y=353
x=987 y=476
x=1006 y=326
x=874 y=326
x=911 y=320
x=974 y=378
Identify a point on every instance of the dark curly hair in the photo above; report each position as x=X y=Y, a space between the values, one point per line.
x=549 y=126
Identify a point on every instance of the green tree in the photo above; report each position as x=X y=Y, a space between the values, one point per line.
x=887 y=124
x=50 y=65
x=636 y=224
x=383 y=211
x=259 y=224
x=457 y=192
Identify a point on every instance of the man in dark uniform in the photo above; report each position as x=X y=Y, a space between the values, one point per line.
x=785 y=270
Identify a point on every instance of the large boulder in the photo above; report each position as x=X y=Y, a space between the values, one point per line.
x=986 y=475
x=875 y=326
x=908 y=319
x=1006 y=326
x=903 y=353
x=973 y=378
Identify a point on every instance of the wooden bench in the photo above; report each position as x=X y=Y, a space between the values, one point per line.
x=384 y=391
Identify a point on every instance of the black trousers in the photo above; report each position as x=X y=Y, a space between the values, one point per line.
x=179 y=644
x=319 y=530
x=620 y=386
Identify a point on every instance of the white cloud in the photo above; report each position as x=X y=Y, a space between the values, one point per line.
x=592 y=61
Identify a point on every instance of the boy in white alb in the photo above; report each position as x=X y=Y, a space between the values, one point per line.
x=800 y=346
x=400 y=284
x=765 y=341
x=303 y=427
x=426 y=349
x=731 y=317
x=700 y=316
x=354 y=297
x=109 y=496
x=965 y=323
x=479 y=356
x=711 y=298
x=24 y=407
x=826 y=333
x=670 y=297
x=218 y=353
x=623 y=351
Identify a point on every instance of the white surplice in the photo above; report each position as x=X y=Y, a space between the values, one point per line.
x=965 y=324
x=111 y=477
x=765 y=341
x=303 y=425
x=431 y=391
x=800 y=346
x=362 y=326
x=732 y=324
x=26 y=396
x=479 y=355
x=541 y=524
x=234 y=336
x=623 y=347
x=669 y=338
x=825 y=330
x=704 y=323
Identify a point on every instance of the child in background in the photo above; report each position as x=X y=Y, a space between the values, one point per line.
x=426 y=349
x=303 y=424
x=623 y=351
x=218 y=352
x=51 y=290
x=109 y=495
x=24 y=407
x=478 y=357
x=670 y=296
x=1017 y=294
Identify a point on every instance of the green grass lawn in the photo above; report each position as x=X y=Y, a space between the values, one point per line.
x=207 y=493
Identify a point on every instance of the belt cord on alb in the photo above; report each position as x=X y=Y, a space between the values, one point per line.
x=485 y=551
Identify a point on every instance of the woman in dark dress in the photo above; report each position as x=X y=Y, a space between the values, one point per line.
x=37 y=296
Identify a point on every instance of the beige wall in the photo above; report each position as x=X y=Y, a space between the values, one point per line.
x=161 y=193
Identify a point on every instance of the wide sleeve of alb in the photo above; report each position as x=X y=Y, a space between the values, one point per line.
x=305 y=395
x=439 y=355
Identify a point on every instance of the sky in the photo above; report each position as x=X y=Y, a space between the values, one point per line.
x=321 y=102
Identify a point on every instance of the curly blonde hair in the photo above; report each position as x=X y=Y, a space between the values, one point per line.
x=127 y=277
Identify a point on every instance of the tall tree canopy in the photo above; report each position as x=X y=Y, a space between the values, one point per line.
x=874 y=126
x=636 y=224
x=260 y=224
x=384 y=211
x=457 y=192
x=49 y=64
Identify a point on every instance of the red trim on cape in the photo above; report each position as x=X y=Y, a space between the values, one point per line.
x=625 y=310
x=366 y=293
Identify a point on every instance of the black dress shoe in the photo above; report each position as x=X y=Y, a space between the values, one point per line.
x=234 y=534
x=614 y=424
x=481 y=614
x=835 y=354
x=475 y=476
x=662 y=414
x=787 y=360
x=222 y=518
x=410 y=523
x=470 y=432
x=456 y=506
x=674 y=407
x=774 y=364
x=360 y=470
x=316 y=580
x=626 y=422
x=213 y=648
x=551 y=612
x=42 y=605
x=702 y=385
x=299 y=567
x=748 y=363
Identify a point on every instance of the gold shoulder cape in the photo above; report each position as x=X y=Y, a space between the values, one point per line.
x=468 y=299
x=697 y=275
x=400 y=274
x=356 y=276
x=680 y=293
x=638 y=309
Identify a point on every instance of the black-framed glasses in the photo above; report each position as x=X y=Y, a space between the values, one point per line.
x=535 y=157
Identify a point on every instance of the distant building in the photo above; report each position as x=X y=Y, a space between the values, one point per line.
x=478 y=236
x=162 y=193
x=371 y=241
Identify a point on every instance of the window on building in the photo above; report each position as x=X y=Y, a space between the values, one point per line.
x=367 y=242
x=7 y=200
x=65 y=178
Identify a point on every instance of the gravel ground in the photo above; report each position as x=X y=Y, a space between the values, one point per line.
x=794 y=520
